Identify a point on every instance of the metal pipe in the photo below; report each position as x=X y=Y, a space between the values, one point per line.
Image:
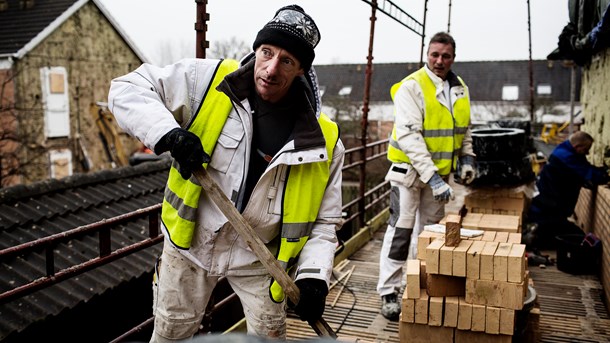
x=365 y=111
x=449 y=19
x=572 y=97
x=144 y=325
x=73 y=233
x=531 y=63
x=423 y=35
x=201 y=27
x=67 y=273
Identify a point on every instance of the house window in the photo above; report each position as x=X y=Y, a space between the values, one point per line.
x=55 y=101
x=60 y=162
x=544 y=89
x=345 y=91
x=510 y=92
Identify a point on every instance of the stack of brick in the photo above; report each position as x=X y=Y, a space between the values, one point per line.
x=507 y=201
x=490 y=222
x=464 y=293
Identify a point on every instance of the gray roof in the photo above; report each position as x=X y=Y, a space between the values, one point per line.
x=25 y=26
x=53 y=206
x=21 y=24
x=485 y=79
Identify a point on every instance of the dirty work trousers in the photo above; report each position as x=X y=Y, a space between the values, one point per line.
x=405 y=204
x=181 y=291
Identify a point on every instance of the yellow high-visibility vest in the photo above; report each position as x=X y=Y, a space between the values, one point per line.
x=301 y=202
x=443 y=132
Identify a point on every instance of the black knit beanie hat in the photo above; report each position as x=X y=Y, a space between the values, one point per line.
x=291 y=29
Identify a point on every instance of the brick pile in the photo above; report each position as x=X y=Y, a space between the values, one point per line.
x=467 y=292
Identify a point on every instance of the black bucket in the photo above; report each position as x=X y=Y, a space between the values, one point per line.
x=577 y=255
x=522 y=316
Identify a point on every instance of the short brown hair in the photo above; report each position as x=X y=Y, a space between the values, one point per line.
x=443 y=38
x=580 y=138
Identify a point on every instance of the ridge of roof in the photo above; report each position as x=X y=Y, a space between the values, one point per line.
x=16 y=193
x=24 y=29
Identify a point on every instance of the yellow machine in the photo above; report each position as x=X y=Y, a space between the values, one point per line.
x=109 y=135
x=551 y=133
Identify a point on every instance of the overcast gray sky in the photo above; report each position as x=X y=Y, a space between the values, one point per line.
x=483 y=29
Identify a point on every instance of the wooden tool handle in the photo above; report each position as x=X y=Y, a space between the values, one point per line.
x=246 y=232
x=463 y=212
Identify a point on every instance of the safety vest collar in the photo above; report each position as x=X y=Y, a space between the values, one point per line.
x=451 y=78
x=238 y=85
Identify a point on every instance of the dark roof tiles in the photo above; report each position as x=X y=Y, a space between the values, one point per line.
x=54 y=206
x=21 y=23
x=485 y=79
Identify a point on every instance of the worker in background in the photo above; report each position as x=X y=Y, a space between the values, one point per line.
x=431 y=134
x=558 y=185
x=257 y=128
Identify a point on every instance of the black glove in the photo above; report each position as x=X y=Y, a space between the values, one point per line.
x=574 y=45
x=185 y=148
x=313 y=299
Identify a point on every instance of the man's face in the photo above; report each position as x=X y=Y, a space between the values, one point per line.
x=440 y=59
x=274 y=71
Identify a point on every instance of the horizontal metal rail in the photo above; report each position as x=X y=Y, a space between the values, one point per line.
x=381 y=190
x=48 y=244
x=373 y=150
x=399 y=15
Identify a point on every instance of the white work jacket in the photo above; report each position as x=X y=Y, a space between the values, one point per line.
x=409 y=117
x=151 y=101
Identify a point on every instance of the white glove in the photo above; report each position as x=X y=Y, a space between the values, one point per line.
x=440 y=189
x=467 y=172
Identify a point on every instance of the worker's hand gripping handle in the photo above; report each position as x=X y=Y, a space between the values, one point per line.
x=246 y=232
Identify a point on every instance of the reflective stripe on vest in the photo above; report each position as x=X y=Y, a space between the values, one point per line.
x=301 y=202
x=179 y=210
x=442 y=132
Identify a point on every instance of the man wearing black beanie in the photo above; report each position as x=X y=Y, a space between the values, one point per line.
x=257 y=127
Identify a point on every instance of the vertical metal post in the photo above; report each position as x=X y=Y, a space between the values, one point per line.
x=153 y=224
x=201 y=27
x=423 y=36
x=50 y=260
x=572 y=97
x=449 y=19
x=104 y=241
x=365 y=120
x=531 y=68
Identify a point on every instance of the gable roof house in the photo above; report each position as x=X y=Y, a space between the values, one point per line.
x=498 y=90
x=57 y=58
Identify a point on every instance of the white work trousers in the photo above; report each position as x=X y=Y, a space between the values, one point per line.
x=181 y=292
x=405 y=204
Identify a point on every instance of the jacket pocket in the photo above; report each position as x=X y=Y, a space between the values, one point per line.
x=403 y=175
x=274 y=193
x=227 y=144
